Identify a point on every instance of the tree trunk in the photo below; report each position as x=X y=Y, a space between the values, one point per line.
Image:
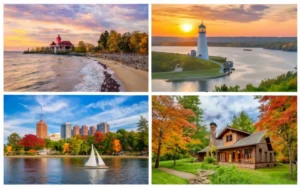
x=158 y=150
x=290 y=159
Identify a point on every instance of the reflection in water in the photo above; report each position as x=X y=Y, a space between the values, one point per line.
x=72 y=171
x=251 y=67
x=95 y=175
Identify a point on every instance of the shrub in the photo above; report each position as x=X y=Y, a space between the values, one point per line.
x=210 y=160
x=228 y=175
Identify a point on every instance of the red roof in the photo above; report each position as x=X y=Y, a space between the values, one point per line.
x=53 y=43
x=65 y=43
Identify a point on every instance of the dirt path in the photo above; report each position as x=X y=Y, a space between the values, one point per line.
x=184 y=175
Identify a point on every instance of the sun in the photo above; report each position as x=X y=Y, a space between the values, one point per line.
x=186 y=27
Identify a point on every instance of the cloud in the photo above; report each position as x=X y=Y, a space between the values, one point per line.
x=221 y=109
x=235 y=13
x=103 y=104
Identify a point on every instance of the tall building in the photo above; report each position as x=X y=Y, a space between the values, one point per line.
x=202 y=50
x=84 y=131
x=76 y=130
x=66 y=130
x=54 y=136
x=41 y=129
x=103 y=127
x=92 y=130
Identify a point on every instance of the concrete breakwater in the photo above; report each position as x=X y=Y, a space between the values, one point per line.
x=109 y=84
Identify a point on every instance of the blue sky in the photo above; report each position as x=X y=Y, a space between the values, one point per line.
x=221 y=109
x=21 y=112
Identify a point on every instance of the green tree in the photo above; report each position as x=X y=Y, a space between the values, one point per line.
x=243 y=122
x=13 y=141
x=75 y=145
x=143 y=128
x=81 y=47
x=102 y=42
x=85 y=147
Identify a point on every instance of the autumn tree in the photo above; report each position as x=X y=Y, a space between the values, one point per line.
x=13 y=141
x=112 y=41
x=30 y=141
x=98 y=137
x=102 y=42
x=243 y=122
x=279 y=117
x=143 y=44
x=117 y=145
x=200 y=135
x=66 y=147
x=168 y=117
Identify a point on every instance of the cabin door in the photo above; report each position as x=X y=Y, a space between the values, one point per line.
x=230 y=157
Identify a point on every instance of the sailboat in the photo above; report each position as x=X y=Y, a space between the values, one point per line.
x=92 y=162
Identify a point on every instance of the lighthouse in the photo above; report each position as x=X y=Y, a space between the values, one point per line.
x=202 y=50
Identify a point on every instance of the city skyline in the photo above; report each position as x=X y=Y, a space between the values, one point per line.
x=222 y=20
x=24 y=29
x=21 y=113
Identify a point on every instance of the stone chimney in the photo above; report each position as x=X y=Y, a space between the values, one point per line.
x=213 y=130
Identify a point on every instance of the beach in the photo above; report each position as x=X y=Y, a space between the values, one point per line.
x=133 y=79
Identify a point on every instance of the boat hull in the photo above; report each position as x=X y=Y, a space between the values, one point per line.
x=96 y=167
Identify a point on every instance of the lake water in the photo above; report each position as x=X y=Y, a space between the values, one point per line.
x=251 y=67
x=70 y=171
x=46 y=72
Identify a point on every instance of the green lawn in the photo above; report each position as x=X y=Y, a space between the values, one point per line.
x=276 y=175
x=186 y=74
x=219 y=59
x=160 y=177
x=166 y=62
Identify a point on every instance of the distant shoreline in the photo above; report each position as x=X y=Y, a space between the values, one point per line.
x=76 y=156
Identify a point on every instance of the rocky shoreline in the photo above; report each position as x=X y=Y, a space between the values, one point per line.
x=109 y=84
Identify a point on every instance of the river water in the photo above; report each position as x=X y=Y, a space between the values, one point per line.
x=71 y=171
x=46 y=72
x=251 y=67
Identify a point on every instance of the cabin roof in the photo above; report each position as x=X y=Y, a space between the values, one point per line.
x=65 y=43
x=231 y=128
x=253 y=139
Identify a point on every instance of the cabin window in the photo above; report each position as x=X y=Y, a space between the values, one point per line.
x=248 y=155
x=229 y=138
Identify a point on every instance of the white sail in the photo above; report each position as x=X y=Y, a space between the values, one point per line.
x=92 y=160
x=100 y=161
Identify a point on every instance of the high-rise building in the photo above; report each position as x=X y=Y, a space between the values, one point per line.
x=92 y=130
x=76 y=130
x=66 y=130
x=41 y=129
x=103 y=127
x=84 y=131
x=54 y=136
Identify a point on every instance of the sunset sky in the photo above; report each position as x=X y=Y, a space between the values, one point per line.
x=36 y=25
x=225 y=20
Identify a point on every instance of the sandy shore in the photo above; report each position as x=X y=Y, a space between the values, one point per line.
x=75 y=156
x=133 y=79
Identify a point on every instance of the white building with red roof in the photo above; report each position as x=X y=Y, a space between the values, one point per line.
x=61 y=46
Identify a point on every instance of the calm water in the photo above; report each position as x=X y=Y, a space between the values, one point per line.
x=46 y=72
x=251 y=67
x=70 y=171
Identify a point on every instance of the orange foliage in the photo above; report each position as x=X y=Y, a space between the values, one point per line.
x=9 y=148
x=169 y=120
x=279 y=117
x=117 y=145
x=66 y=147
x=31 y=151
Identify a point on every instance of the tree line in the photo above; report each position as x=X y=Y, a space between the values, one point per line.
x=108 y=144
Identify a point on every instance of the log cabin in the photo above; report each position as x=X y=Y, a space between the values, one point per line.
x=240 y=148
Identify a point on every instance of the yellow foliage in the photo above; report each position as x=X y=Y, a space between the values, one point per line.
x=66 y=147
x=117 y=145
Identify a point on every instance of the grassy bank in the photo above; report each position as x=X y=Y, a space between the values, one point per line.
x=277 y=175
x=166 y=62
x=187 y=75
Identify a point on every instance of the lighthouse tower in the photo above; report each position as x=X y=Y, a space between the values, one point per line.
x=202 y=50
